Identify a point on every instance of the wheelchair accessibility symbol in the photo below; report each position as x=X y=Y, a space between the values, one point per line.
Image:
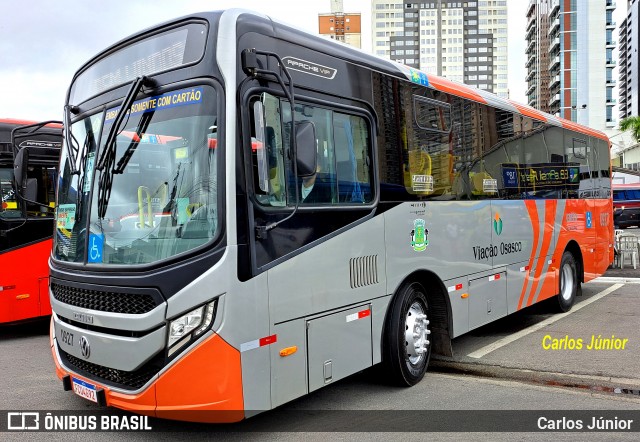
x=96 y=244
x=589 y=220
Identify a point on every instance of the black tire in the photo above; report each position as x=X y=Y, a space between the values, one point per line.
x=569 y=282
x=402 y=363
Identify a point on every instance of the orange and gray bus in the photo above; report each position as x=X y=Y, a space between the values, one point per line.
x=26 y=217
x=247 y=213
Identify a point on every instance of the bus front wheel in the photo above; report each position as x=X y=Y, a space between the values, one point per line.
x=568 y=282
x=407 y=349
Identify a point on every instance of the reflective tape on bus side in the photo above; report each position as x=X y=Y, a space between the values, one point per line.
x=257 y=343
x=359 y=315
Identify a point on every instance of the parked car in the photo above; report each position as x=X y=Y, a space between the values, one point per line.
x=624 y=217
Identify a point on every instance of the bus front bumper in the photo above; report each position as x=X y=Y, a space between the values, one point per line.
x=203 y=385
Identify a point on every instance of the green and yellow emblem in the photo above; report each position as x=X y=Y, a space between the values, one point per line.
x=419 y=236
x=497 y=224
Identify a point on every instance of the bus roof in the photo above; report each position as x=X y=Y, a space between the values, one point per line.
x=15 y=122
x=7 y=125
x=435 y=82
x=360 y=57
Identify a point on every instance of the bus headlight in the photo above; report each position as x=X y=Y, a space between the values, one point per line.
x=184 y=329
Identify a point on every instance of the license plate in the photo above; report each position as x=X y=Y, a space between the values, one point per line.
x=85 y=390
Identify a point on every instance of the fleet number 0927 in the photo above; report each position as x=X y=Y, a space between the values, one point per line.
x=66 y=337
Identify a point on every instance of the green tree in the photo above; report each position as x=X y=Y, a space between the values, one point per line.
x=632 y=124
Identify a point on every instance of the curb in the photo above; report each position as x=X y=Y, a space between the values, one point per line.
x=616 y=280
x=602 y=384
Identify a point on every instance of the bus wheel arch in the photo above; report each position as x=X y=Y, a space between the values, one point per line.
x=571 y=274
x=418 y=311
x=574 y=248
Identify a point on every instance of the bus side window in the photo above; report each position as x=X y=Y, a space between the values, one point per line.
x=343 y=174
x=352 y=158
x=41 y=189
x=320 y=188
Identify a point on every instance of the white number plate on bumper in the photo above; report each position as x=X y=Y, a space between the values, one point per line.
x=85 y=390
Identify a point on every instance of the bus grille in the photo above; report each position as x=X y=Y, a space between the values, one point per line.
x=130 y=303
x=129 y=380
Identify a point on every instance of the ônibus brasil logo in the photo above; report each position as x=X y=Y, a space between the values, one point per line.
x=497 y=224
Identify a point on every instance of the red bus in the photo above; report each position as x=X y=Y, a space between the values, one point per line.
x=26 y=223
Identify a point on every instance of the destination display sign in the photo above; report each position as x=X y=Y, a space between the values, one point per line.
x=182 y=97
x=157 y=53
x=540 y=175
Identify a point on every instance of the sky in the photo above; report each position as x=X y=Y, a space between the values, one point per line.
x=44 y=42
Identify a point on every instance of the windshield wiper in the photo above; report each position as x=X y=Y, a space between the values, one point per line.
x=135 y=141
x=107 y=159
x=109 y=145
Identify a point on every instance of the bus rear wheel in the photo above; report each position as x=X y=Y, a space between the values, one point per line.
x=407 y=349
x=569 y=283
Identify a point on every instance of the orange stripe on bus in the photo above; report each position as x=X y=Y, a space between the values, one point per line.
x=535 y=225
x=583 y=129
x=214 y=396
x=547 y=236
x=460 y=90
x=530 y=112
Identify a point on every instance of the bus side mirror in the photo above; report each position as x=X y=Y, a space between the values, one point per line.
x=306 y=148
x=260 y=145
x=20 y=167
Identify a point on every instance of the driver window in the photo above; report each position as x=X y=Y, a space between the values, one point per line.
x=40 y=188
x=343 y=174
x=42 y=179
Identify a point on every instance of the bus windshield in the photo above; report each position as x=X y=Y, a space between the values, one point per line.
x=160 y=191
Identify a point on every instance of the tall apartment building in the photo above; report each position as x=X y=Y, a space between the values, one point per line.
x=538 y=79
x=570 y=59
x=464 y=41
x=629 y=69
x=341 y=26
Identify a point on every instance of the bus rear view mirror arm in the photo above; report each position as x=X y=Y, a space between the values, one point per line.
x=69 y=140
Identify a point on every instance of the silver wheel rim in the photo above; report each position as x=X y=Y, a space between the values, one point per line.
x=416 y=333
x=567 y=282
